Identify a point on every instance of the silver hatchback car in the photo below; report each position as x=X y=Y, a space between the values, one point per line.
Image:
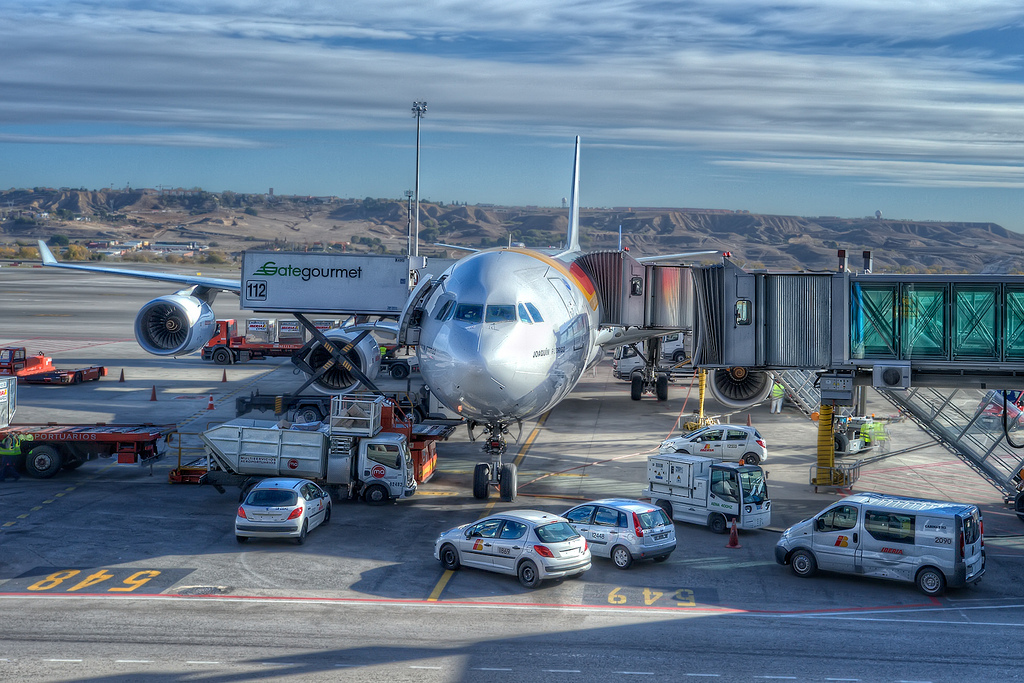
x=624 y=530
x=530 y=544
x=276 y=508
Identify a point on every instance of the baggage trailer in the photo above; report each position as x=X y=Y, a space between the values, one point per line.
x=38 y=369
x=46 y=449
x=362 y=450
x=707 y=491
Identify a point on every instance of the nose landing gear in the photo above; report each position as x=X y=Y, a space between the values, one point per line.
x=503 y=475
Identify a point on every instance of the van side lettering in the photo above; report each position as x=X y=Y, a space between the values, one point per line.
x=893 y=551
x=945 y=541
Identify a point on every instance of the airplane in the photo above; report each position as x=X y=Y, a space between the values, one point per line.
x=504 y=335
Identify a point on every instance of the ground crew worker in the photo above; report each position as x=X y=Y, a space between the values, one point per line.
x=866 y=432
x=778 y=393
x=878 y=434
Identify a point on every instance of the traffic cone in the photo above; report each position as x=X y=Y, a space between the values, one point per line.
x=209 y=406
x=734 y=538
x=122 y=375
x=748 y=420
x=152 y=397
x=224 y=377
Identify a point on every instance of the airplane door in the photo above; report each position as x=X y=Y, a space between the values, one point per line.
x=836 y=538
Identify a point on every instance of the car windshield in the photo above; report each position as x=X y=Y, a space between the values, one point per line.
x=556 y=532
x=272 y=498
x=753 y=484
x=653 y=518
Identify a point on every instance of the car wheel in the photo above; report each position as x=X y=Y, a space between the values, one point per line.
x=450 y=557
x=717 y=524
x=661 y=558
x=508 y=484
x=662 y=387
x=930 y=581
x=666 y=506
x=482 y=481
x=327 y=514
x=308 y=414
x=222 y=357
x=528 y=575
x=636 y=387
x=751 y=459
x=803 y=564
x=376 y=495
x=622 y=557
x=241 y=539
x=301 y=538
x=43 y=462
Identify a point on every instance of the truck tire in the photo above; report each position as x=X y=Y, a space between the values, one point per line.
x=662 y=387
x=842 y=443
x=481 y=481
x=308 y=413
x=42 y=462
x=221 y=356
x=399 y=370
x=636 y=387
x=376 y=494
x=666 y=506
x=679 y=356
x=717 y=523
x=508 y=482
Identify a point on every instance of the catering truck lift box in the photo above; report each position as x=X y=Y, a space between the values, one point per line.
x=363 y=448
x=701 y=490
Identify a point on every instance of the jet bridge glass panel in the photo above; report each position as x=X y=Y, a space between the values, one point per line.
x=873 y=321
x=1014 y=323
x=975 y=331
x=924 y=321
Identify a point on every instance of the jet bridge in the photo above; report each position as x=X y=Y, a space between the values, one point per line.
x=933 y=344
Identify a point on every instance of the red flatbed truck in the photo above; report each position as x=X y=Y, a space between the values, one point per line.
x=47 y=448
x=227 y=346
x=38 y=369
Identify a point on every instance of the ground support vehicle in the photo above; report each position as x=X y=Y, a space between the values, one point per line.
x=398 y=368
x=38 y=369
x=227 y=346
x=848 y=434
x=624 y=530
x=420 y=406
x=702 y=490
x=48 y=448
x=933 y=544
x=363 y=450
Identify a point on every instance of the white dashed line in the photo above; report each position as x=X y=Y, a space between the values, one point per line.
x=414 y=666
x=198 y=662
x=705 y=675
x=561 y=671
x=62 y=660
x=634 y=673
x=133 y=661
x=484 y=668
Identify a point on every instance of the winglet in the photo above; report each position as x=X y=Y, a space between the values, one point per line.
x=573 y=241
x=46 y=254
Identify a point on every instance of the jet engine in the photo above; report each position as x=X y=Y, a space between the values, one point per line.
x=739 y=387
x=364 y=357
x=174 y=325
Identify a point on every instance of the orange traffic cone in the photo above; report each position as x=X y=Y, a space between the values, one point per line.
x=734 y=538
x=224 y=377
x=152 y=397
x=122 y=375
x=748 y=420
x=209 y=406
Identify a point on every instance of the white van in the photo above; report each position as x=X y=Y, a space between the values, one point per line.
x=931 y=543
x=625 y=361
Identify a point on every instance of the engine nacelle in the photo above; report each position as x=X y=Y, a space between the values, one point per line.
x=739 y=387
x=339 y=380
x=174 y=325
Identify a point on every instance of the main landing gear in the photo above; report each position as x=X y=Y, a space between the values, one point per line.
x=503 y=475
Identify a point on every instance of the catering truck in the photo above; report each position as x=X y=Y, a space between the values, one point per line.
x=708 y=491
x=361 y=451
x=263 y=338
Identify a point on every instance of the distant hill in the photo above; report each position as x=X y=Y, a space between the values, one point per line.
x=238 y=221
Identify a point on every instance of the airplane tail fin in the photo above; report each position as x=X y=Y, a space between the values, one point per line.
x=573 y=241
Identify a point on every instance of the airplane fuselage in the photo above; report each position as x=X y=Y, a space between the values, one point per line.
x=508 y=334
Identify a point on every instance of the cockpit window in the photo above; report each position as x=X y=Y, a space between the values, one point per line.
x=469 y=313
x=445 y=310
x=500 y=314
x=534 y=313
x=524 y=315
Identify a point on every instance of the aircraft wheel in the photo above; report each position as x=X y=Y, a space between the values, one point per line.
x=636 y=387
x=508 y=480
x=662 y=387
x=481 y=481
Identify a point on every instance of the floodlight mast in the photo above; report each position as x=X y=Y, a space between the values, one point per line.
x=408 y=238
x=418 y=110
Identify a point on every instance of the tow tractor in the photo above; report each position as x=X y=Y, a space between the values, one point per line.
x=38 y=369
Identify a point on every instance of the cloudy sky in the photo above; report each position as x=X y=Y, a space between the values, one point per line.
x=815 y=107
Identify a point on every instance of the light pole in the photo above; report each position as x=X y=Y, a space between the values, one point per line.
x=408 y=239
x=418 y=110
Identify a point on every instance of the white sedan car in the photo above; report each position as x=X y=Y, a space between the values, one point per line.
x=723 y=442
x=276 y=508
x=530 y=544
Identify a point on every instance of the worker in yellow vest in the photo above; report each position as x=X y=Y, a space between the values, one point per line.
x=866 y=432
x=778 y=393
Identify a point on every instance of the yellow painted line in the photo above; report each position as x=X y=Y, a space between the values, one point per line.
x=437 y=493
x=9 y=523
x=530 y=439
x=47 y=501
x=436 y=593
x=23 y=516
x=58 y=495
x=37 y=507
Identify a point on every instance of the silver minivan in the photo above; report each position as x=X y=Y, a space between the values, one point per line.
x=931 y=543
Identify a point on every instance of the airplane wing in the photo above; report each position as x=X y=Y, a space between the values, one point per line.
x=453 y=246
x=196 y=280
x=672 y=257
